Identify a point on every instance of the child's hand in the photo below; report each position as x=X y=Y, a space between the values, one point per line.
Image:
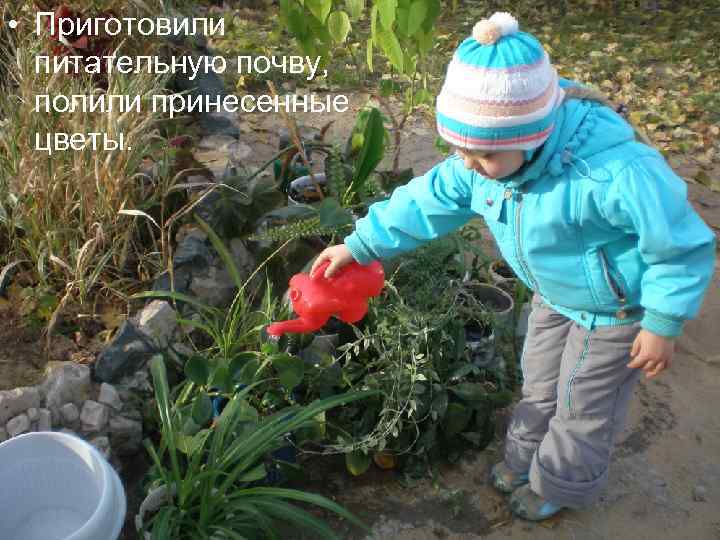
x=651 y=352
x=338 y=256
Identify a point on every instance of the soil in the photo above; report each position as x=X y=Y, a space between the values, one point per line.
x=22 y=361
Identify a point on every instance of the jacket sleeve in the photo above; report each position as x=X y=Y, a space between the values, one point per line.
x=427 y=207
x=649 y=200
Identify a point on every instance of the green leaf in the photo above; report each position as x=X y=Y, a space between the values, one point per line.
x=357 y=462
x=319 y=8
x=425 y=41
x=387 y=12
x=290 y=369
x=253 y=475
x=297 y=22
x=369 y=54
x=469 y=391
x=403 y=15
x=355 y=8
x=418 y=11
x=373 y=22
x=332 y=214
x=202 y=409
x=197 y=370
x=238 y=362
x=339 y=25
x=391 y=47
x=189 y=445
x=372 y=151
x=456 y=418
x=221 y=379
x=248 y=371
x=440 y=403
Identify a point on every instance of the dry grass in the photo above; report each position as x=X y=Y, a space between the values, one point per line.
x=61 y=213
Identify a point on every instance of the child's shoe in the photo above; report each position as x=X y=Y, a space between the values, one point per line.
x=527 y=504
x=506 y=480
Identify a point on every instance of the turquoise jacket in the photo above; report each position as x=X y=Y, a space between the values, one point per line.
x=597 y=223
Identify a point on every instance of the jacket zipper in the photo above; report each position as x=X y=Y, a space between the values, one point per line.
x=612 y=283
x=518 y=244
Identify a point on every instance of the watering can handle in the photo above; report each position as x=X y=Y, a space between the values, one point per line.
x=320 y=271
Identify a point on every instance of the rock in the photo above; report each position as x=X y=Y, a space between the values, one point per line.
x=44 y=420
x=192 y=251
x=3 y=435
x=18 y=400
x=69 y=432
x=109 y=396
x=69 y=383
x=18 y=425
x=136 y=384
x=130 y=349
x=180 y=281
x=215 y=287
x=125 y=435
x=699 y=493
x=244 y=260
x=94 y=416
x=33 y=414
x=158 y=321
x=69 y=414
x=102 y=444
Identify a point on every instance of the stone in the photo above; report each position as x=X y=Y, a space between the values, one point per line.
x=192 y=251
x=102 y=444
x=109 y=396
x=44 y=420
x=216 y=287
x=69 y=383
x=244 y=260
x=16 y=401
x=18 y=425
x=69 y=414
x=33 y=414
x=69 y=432
x=699 y=493
x=94 y=416
x=136 y=383
x=125 y=435
x=3 y=435
x=129 y=350
x=180 y=282
x=158 y=321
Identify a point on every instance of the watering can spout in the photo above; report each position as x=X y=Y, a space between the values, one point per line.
x=316 y=299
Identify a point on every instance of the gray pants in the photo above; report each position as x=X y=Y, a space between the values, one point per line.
x=576 y=394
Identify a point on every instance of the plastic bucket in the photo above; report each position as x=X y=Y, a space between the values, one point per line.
x=55 y=486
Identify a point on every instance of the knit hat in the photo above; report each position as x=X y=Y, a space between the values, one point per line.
x=501 y=92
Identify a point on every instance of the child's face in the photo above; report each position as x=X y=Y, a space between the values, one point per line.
x=493 y=165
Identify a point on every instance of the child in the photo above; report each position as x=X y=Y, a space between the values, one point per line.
x=594 y=222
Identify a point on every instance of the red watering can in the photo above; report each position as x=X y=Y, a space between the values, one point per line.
x=345 y=296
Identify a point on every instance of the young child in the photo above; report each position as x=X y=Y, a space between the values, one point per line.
x=593 y=221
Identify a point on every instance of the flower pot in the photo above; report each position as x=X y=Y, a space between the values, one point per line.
x=303 y=191
x=501 y=275
x=493 y=300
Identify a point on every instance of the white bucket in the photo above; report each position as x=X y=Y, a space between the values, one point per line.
x=54 y=486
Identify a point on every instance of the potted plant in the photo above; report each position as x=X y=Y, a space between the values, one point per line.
x=502 y=275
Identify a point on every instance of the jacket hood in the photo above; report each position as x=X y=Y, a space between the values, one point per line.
x=583 y=128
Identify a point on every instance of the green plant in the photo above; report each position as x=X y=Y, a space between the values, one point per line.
x=207 y=481
x=347 y=177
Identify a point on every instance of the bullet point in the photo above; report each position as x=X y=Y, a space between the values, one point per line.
x=13 y=24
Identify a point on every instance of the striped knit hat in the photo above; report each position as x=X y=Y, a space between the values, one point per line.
x=500 y=92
